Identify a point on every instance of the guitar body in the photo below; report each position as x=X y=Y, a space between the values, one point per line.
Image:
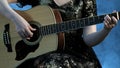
x=44 y=15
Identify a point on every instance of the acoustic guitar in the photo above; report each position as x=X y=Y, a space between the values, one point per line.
x=49 y=35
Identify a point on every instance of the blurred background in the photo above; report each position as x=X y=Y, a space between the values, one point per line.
x=108 y=51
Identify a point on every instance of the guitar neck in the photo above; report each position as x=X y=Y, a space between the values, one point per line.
x=74 y=24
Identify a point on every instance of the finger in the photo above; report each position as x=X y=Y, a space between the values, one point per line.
x=105 y=25
x=29 y=33
x=114 y=20
x=108 y=26
x=107 y=22
x=32 y=29
x=108 y=18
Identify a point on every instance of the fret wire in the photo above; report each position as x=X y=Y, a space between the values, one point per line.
x=77 y=24
x=73 y=24
x=81 y=23
x=45 y=30
x=95 y=20
x=48 y=29
x=67 y=25
x=62 y=26
x=56 y=28
x=91 y=20
x=42 y=30
x=101 y=18
x=86 y=22
x=59 y=27
x=51 y=27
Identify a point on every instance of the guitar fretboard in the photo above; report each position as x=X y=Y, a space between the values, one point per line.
x=73 y=24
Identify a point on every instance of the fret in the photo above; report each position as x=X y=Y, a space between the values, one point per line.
x=90 y=20
x=62 y=26
x=77 y=24
x=67 y=26
x=55 y=28
x=81 y=23
x=45 y=30
x=42 y=31
x=48 y=29
x=52 y=29
x=100 y=19
x=69 y=23
x=96 y=20
x=59 y=27
x=73 y=24
x=86 y=21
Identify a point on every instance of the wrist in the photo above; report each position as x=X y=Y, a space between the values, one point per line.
x=107 y=29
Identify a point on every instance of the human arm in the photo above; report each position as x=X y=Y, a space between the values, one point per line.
x=93 y=37
x=22 y=26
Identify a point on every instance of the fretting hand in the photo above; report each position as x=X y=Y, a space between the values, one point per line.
x=110 y=22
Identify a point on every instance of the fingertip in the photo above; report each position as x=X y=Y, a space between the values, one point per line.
x=33 y=29
x=114 y=19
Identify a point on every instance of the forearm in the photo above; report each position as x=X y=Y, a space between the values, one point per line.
x=96 y=37
x=7 y=11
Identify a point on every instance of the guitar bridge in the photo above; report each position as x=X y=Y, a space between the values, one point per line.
x=6 y=38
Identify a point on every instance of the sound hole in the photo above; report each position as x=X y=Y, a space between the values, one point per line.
x=36 y=34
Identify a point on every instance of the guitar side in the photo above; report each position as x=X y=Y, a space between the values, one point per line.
x=42 y=14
